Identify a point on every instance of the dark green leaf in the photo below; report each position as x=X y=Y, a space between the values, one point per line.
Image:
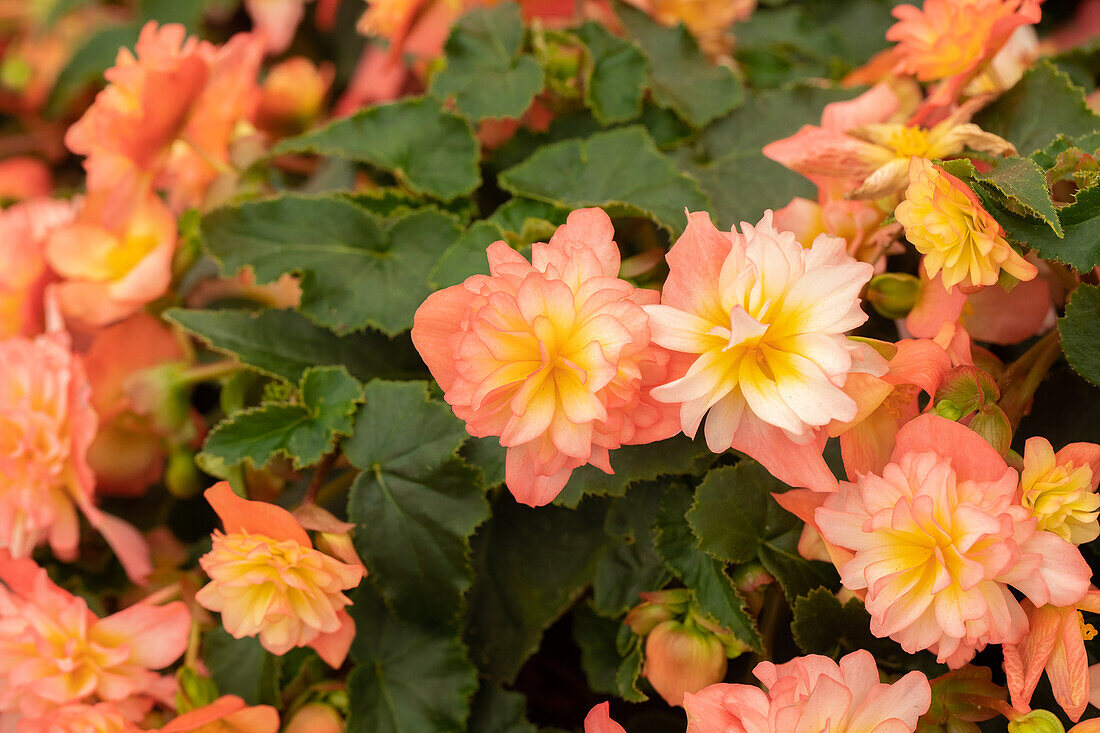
x=682 y=78
x=485 y=73
x=796 y=575
x=358 y=270
x=1022 y=181
x=616 y=77
x=630 y=565
x=621 y=170
x=430 y=150
x=241 y=667
x=1042 y=105
x=284 y=344
x=531 y=564
x=630 y=669
x=414 y=503
x=304 y=431
x=706 y=577
x=499 y=711
x=1080 y=331
x=407 y=678
x=822 y=625
x=1080 y=220
x=466 y=256
x=600 y=658
x=91 y=59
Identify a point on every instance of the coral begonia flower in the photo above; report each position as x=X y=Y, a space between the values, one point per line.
x=599 y=720
x=54 y=651
x=1059 y=489
x=100 y=717
x=858 y=223
x=275 y=21
x=24 y=230
x=870 y=154
x=46 y=426
x=24 y=177
x=763 y=322
x=812 y=693
x=554 y=356
x=1055 y=642
x=939 y=539
x=267 y=580
x=169 y=113
x=227 y=714
x=113 y=261
x=959 y=239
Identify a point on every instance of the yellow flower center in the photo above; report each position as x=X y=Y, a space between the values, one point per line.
x=908 y=142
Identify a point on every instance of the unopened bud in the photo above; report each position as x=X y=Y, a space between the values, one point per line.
x=195 y=691
x=948 y=409
x=681 y=658
x=315 y=718
x=642 y=618
x=968 y=388
x=292 y=95
x=992 y=424
x=1037 y=721
x=893 y=294
x=181 y=475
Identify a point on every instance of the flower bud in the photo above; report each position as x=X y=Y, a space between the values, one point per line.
x=194 y=691
x=682 y=658
x=1037 y=721
x=992 y=424
x=893 y=294
x=961 y=698
x=315 y=718
x=292 y=96
x=181 y=475
x=656 y=607
x=967 y=388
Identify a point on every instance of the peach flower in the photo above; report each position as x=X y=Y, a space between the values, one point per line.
x=113 y=259
x=762 y=322
x=858 y=223
x=812 y=693
x=24 y=230
x=275 y=21
x=292 y=95
x=24 y=177
x=1059 y=489
x=599 y=720
x=937 y=541
x=227 y=714
x=168 y=112
x=947 y=224
x=54 y=651
x=1055 y=643
x=100 y=717
x=554 y=356
x=680 y=657
x=267 y=580
x=46 y=426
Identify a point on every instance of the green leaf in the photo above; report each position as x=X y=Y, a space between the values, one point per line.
x=1023 y=182
x=284 y=344
x=414 y=503
x=407 y=678
x=358 y=271
x=822 y=625
x=620 y=170
x=1080 y=331
x=630 y=669
x=706 y=577
x=466 y=257
x=429 y=150
x=682 y=77
x=525 y=221
x=303 y=432
x=615 y=78
x=499 y=711
x=486 y=73
x=633 y=463
x=87 y=64
x=630 y=565
x=241 y=667
x=600 y=658
x=1080 y=248
x=531 y=564
x=1042 y=105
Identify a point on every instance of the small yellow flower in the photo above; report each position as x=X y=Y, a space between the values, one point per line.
x=960 y=241
x=1060 y=489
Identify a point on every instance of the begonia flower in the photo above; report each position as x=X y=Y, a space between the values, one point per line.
x=227 y=714
x=46 y=426
x=267 y=580
x=869 y=153
x=275 y=21
x=292 y=95
x=54 y=651
x=553 y=355
x=100 y=717
x=599 y=720
x=858 y=223
x=938 y=540
x=812 y=693
x=763 y=322
x=1059 y=489
x=959 y=239
x=112 y=260
x=1055 y=643
x=681 y=657
x=168 y=112
x=24 y=177
x=24 y=229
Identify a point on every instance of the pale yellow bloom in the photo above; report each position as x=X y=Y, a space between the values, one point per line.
x=1060 y=489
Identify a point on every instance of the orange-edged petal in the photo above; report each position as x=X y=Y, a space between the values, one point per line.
x=254 y=517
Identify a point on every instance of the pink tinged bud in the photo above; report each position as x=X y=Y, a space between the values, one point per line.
x=315 y=718
x=644 y=617
x=292 y=96
x=682 y=658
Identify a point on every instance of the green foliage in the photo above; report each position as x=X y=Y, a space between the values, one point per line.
x=358 y=270
x=600 y=659
x=426 y=148
x=615 y=78
x=705 y=576
x=486 y=74
x=496 y=710
x=823 y=625
x=630 y=565
x=466 y=256
x=86 y=66
x=1023 y=183
x=304 y=430
x=241 y=667
x=284 y=344
x=620 y=170
x=737 y=520
x=407 y=677
x=1080 y=248
x=1080 y=331
x=531 y=564
x=415 y=505
x=681 y=77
